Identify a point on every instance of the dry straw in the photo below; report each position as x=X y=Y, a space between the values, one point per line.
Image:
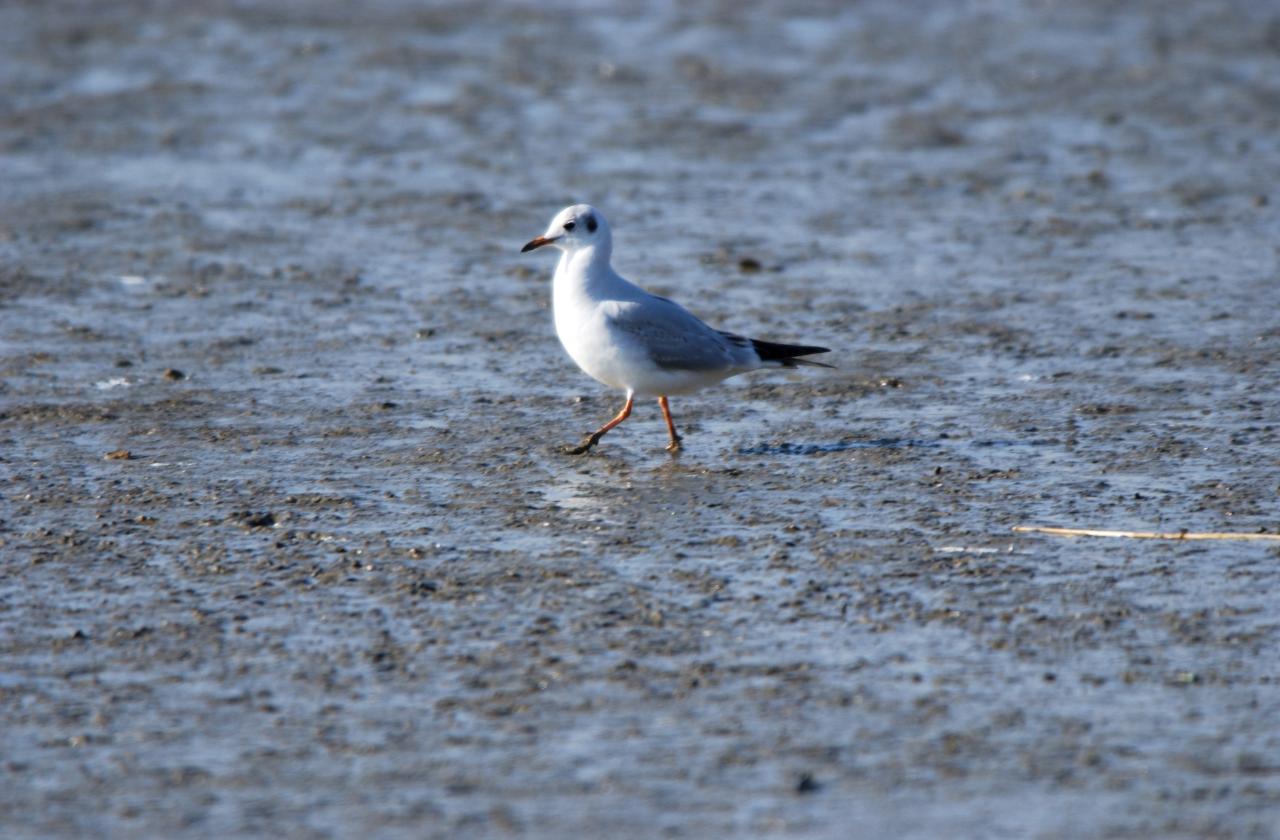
x=1144 y=535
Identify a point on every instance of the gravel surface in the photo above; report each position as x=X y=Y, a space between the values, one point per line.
x=289 y=546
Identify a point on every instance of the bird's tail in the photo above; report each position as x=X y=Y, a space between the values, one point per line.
x=787 y=355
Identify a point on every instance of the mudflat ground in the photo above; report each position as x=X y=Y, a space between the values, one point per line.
x=290 y=550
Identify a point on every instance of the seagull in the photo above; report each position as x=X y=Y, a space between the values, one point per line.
x=624 y=337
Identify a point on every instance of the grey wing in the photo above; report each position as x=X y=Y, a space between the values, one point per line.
x=675 y=340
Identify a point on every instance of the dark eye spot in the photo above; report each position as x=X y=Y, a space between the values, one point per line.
x=570 y=225
x=591 y=224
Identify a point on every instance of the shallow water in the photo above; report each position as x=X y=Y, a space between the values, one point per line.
x=345 y=581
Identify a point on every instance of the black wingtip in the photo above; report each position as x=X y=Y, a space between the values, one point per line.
x=792 y=363
x=788 y=355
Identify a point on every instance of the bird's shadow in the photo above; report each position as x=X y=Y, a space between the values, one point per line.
x=789 y=448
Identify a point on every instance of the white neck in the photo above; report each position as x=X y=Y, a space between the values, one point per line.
x=586 y=269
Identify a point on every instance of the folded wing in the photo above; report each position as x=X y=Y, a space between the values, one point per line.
x=676 y=340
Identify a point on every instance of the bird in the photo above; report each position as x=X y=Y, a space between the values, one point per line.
x=626 y=338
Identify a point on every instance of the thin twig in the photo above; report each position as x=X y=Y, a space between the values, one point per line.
x=1144 y=535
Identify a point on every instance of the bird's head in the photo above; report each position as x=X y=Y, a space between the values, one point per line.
x=573 y=228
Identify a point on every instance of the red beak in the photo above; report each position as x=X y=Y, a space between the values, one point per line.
x=536 y=243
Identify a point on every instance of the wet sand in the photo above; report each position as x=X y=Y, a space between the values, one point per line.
x=289 y=545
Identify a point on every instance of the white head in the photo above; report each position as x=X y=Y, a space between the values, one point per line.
x=574 y=228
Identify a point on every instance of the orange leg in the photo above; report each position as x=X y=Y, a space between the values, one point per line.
x=595 y=436
x=674 y=446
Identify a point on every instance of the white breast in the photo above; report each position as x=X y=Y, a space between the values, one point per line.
x=582 y=326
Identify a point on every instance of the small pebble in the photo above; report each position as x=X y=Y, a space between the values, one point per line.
x=807 y=784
